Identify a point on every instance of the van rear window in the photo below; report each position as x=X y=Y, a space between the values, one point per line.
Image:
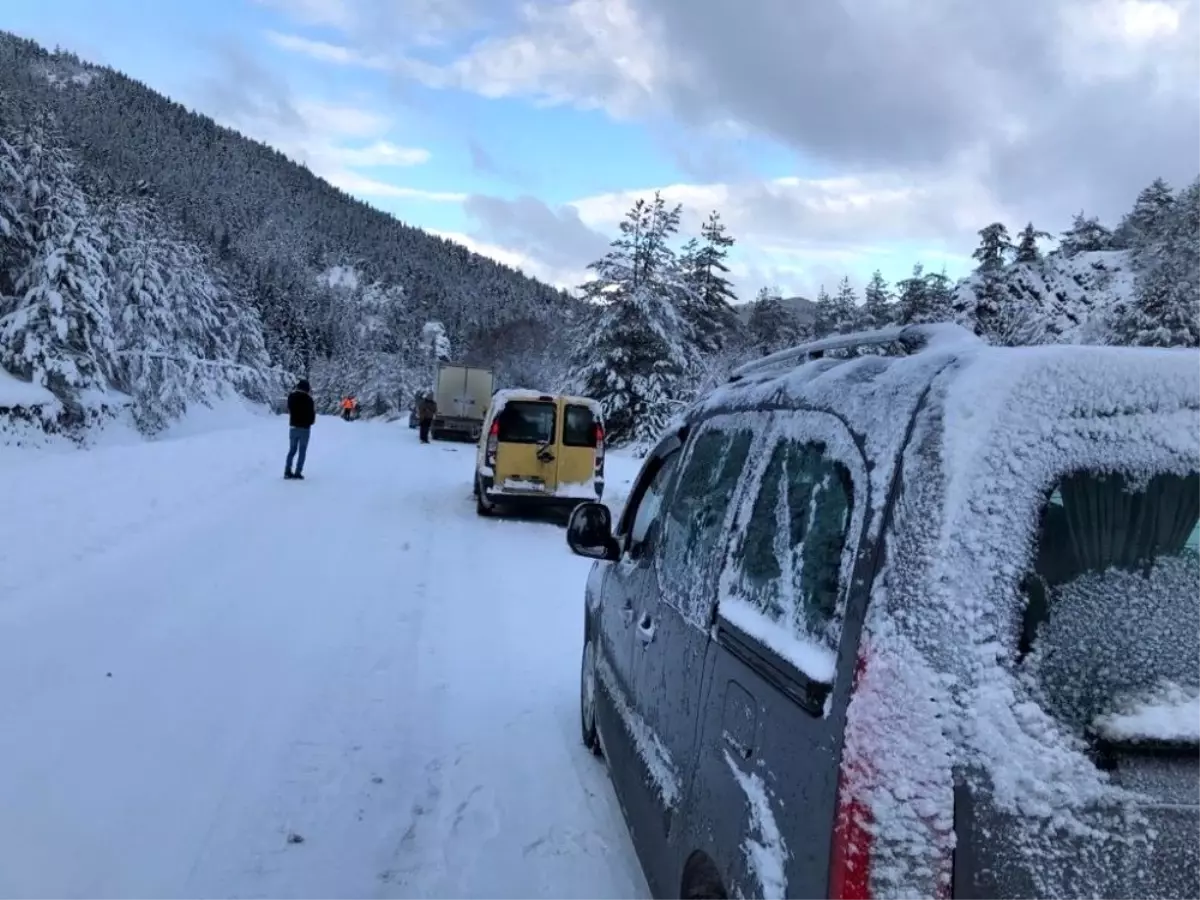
x=526 y=422
x=579 y=427
x=1113 y=600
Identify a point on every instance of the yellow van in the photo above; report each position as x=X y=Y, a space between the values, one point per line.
x=539 y=449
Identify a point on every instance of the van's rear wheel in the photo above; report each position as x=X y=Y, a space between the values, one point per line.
x=587 y=698
x=482 y=507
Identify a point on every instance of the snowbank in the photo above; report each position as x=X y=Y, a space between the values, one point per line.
x=17 y=393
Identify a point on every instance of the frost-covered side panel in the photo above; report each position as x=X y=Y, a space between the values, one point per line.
x=765 y=849
x=650 y=749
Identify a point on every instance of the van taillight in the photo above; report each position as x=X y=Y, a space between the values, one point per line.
x=850 y=858
x=493 y=443
x=850 y=865
x=853 y=837
x=599 y=448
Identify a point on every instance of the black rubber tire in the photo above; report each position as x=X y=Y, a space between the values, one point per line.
x=587 y=698
x=481 y=506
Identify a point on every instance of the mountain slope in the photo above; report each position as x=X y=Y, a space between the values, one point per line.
x=255 y=234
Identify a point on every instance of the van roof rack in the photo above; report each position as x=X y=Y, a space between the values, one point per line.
x=908 y=338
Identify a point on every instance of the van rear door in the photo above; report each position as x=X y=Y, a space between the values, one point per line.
x=526 y=456
x=580 y=440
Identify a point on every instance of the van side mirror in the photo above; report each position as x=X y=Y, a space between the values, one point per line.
x=589 y=532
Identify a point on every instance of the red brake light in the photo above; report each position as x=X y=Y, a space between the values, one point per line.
x=850 y=863
x=494 y=431
x=599 y=434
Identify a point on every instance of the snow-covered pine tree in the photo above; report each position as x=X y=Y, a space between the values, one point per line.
x=708 y=310
x=434 y=342
x=1027 y=250
x=823 y=314
x=183 y=335
x=878 y=310
x=637 y=354
x=838 y=314
x=912 y=300
x=1165 y=311
x=16 y=242
x=59 y=331
x=770 y=327
x=924 y=297
x=1147 y=221
x=1086 y=235
x=938 y=297
x=994 y=248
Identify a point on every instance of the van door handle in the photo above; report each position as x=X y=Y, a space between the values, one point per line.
x=627 y=612
x=646 y=629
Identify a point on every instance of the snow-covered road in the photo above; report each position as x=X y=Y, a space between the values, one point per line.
x=214 y=682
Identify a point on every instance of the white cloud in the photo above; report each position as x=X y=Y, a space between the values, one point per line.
x=825 y=215
x=565 y=278
x=794 y=233
x=383 y=153
x=324 y=51
x=332 y=13
x=336 y=141
x=588 y=53
x=361 y=186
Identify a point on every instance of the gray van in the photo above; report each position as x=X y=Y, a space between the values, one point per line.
x=899 y=614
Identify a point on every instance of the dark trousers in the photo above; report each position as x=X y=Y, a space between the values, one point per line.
x=426 y=424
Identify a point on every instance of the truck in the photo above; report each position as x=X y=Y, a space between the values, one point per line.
x=462 y=394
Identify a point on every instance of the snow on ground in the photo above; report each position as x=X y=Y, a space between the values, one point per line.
x=216 y=682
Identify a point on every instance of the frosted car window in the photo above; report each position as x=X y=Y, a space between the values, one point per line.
x=789 y=556
x=697 y=511
x=650 y=506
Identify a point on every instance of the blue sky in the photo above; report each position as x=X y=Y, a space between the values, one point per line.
x=831 y=144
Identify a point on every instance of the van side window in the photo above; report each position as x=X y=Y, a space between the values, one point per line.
x=693 y=536
x=647 y=518
x=789 y=556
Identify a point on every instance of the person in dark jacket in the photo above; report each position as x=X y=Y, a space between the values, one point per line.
x=426 y=410
x=302 y=413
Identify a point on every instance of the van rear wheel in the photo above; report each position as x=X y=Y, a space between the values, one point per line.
x=482 y=506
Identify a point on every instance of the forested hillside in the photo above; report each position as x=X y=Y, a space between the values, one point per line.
x=150 y=258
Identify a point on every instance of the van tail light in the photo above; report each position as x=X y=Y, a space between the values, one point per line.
x=493 y=444
x=599 y=449
x=850 y=858
x=854 y=826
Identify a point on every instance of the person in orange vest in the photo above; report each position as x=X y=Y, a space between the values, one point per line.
x=349 y=404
